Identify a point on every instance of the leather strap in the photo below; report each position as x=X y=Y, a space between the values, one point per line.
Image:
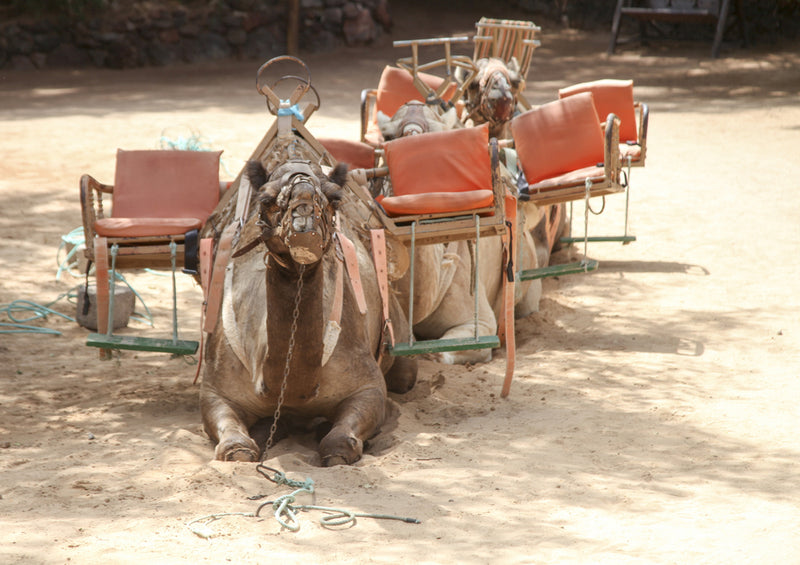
x=351 y=261
x=334 y=325
x=378 y=239
x=206 y=252
x=506 y=324
x=217 y=278
x=214 y=295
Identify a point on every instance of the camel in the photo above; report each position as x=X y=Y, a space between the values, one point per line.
x=443 y=298
x=492 y=95
x=279 y=346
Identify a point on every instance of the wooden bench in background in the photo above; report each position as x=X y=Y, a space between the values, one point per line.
x=713 y=12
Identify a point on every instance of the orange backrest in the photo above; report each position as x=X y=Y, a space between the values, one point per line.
x=611 y=96
x=166 y=184
x=558 y=137
x=356 y=154
x=396 y=87
x=446 y=161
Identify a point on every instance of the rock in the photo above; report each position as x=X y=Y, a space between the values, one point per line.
x=332 y=17
x=39 y=60
x=359 y=30
x=21 y=63
x=261 y=45
x=21 y=42
x=350 y=10
x=169 y=36
x=190 y=30
x=161 y=55
x=382 y=14
x=214 y=46
x=46 y=41
x=124 y=300
x=68 y=55
x=236 y=37
x=122 y=55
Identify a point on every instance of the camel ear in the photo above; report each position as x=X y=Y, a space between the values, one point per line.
x=338 y=175
x=256 y=173
x=513 y=65
x=331 y=185
x=388 y=129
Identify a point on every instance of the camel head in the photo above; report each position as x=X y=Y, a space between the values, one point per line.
x=491 y=96
x=297 y=206
x=413 y=118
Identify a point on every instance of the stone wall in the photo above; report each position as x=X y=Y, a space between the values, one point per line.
x=163 y=35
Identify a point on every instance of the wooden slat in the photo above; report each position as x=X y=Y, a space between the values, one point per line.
x=451 y=230
x=600 y=239
x=575 y=268
x=570 y=193
x=178 y=347
x=440 y=345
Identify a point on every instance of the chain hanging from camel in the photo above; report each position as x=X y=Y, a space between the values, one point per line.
x=289 y=354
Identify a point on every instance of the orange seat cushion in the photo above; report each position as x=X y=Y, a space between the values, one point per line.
x=166 y=184
x=396 y=87
x=354 y=153
x=437 y=202
x=455 y=161
x=611 y=96
x=145 y=227
x=632 y=151
x=558 y=137
x=573 y=178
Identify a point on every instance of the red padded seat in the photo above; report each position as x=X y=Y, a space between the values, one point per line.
x=439 y=172
x=355 y=153
x=396 y=87
x=159 y=192
x=559 y=137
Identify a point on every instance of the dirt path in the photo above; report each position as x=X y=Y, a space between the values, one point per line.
x=653 y=414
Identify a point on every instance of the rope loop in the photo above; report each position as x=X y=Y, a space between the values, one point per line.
x=280 y=478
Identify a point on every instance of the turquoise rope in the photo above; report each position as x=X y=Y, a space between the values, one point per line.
x=193 y=142
x=285 y=511
x=34 y=312
x=76 y=239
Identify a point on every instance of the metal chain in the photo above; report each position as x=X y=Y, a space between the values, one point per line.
x=289 y=354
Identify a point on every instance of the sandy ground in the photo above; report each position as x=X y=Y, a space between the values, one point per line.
x=653 y=413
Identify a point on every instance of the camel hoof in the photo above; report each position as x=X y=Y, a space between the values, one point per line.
x=402 y=377
x=241 y=454
x=237 y=451
x=333 y=460
x=338 y=449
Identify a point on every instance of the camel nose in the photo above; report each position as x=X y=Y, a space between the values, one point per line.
x=503 y=108
x=302 y=218
x=302 y=208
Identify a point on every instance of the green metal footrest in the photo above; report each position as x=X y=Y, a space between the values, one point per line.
x=177 y=347
x=623 y=239
x=439 y=345
x=559 y=270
